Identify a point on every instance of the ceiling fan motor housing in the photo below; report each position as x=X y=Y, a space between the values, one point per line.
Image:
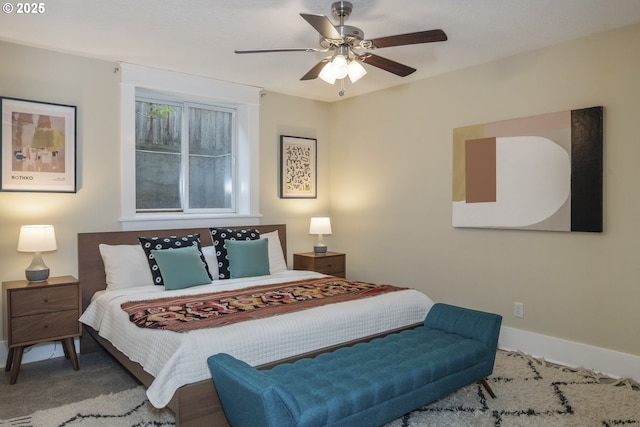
x=350 y=36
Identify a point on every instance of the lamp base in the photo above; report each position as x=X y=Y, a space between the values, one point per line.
x=320 y=249
x=37 y=270
x=37 y=275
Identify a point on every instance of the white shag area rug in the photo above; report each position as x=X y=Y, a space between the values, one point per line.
x=529 y=393
x=127 y=408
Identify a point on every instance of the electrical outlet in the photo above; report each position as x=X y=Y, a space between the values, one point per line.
x=518 y=309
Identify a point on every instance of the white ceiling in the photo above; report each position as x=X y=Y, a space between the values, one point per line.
x=199 y=36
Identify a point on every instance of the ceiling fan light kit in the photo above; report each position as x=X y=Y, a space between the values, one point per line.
x=338 y=68
x=349 y=48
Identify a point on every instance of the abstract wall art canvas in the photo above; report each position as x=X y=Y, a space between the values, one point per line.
x=535 y=173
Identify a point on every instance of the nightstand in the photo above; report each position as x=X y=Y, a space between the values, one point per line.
x=38 y=312
x=332 y=263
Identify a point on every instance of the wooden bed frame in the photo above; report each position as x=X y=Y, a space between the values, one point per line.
x=194 y=405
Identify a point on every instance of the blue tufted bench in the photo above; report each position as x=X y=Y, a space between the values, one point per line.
x=366 y=384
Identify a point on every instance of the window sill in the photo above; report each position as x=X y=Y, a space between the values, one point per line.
x=163 y=221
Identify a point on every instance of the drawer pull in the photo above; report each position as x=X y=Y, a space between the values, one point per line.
x=46 y=300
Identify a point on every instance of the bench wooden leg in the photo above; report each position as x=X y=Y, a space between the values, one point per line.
x=485 y=384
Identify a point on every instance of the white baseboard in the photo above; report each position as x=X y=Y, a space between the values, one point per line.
x=39 y=352
x=571 y=353
x=555 y=350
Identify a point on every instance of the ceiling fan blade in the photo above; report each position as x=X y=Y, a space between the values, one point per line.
x=388 y=65
x=323 y=25
x=286 y=49
x=315 y=71
x=409 y=38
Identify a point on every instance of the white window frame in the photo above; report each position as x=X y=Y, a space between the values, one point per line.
x=172 y=100
x=246 y=101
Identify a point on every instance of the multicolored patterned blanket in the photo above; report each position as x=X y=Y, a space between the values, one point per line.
x=221 y=308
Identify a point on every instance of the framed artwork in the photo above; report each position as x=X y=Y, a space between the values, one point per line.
x=297 y=167
x=38 y=146
x=535 y=173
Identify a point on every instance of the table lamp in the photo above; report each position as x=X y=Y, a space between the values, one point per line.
x=37 y=239
x=320 y=226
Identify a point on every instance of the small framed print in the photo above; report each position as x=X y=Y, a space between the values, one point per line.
x=38 y=150
x=297 y=168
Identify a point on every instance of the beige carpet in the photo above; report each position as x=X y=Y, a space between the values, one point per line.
x=529 y=393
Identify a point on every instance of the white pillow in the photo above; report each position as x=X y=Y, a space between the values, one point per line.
x=209 y=253
x=125 y=266
x=277 y=264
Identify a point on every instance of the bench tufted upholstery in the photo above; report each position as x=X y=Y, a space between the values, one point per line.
x=365 y=384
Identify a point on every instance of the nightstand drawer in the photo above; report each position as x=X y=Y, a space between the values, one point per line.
x=25 y=302
x=48 y=326
x=330 y=265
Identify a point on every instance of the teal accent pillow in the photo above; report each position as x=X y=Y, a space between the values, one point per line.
x=158 y=243
x=181 y=268
x=248 y=258
x=221 y=235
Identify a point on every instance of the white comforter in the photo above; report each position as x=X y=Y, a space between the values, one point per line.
x=176 y=359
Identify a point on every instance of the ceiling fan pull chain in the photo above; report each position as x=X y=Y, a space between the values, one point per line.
x=341 y=93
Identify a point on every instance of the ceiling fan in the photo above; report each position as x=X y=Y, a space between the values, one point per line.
x=348 y=47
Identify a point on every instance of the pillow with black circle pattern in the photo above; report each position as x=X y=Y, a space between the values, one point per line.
x=169 y=242
x=219 y=235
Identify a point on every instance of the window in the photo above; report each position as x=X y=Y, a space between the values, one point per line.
x=189 y=150
x=184 y=168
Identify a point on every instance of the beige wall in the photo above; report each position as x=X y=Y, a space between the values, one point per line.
x=391 y=193
x=93 y=87
x=287 y=115
x=387 y=186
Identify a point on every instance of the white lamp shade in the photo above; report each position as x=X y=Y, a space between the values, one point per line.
x=37 y=238
x=326 y=74
x=356 y=71
x=320 y=225
x=339 y=67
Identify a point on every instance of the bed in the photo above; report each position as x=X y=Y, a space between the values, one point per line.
x=172 y=365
